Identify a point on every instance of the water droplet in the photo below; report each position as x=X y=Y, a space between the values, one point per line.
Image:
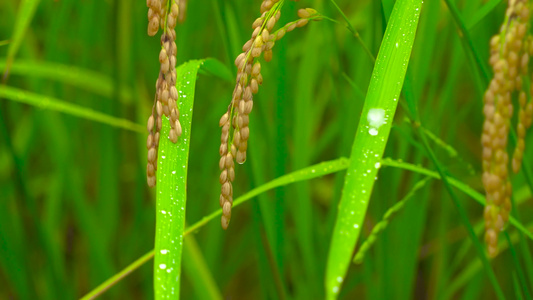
x=162 y=266
x=376 y=117
x=164 y=251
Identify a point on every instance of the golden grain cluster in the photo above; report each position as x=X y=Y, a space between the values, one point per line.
x=234 y=122
x=509 y=58
x=163 y=14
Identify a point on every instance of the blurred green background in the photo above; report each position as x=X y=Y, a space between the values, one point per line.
x=75 y=207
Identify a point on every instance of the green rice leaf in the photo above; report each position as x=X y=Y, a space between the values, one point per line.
x=46 y=102
x=482 y=13
x=196 y=269
x=91 y=81
x=455 y=183
x=216 y=68
x=24 y=16
x=172 y=189
x=371 y=138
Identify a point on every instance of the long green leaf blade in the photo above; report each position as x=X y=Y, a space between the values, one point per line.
x=46 y=102
x=195 y=267
x=172 y=189
x=371 y=138
x=457 y=184
x=24 y=16
x=92 y=81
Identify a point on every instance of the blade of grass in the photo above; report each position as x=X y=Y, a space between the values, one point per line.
x=469 y=271
x=516 y=286
x=518 y=267
x=172 y=189
x=379 y=227
x=215 y=67
x=95 y=82
x=474 y=288
x=46 y=102
x=307 y=173
x=524 y=247
x=410 y=98
x=466 y=40
x=464 y=217
x=302 y=212
x=195 y=267
x=457 y=184
x=482 y=13
x=118 y=277
x=310 y=172
x=24 y=16
x=13 y=252
x=369 y=145
x=354 y=32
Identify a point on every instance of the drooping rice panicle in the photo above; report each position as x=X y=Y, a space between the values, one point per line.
x=235 y=121
x=509 y=60
x=164 y=14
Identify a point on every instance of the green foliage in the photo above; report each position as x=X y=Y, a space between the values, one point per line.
x=78 y=220
x=44 y=102
x=25 y=13
x=372 y=136
x=172 y=166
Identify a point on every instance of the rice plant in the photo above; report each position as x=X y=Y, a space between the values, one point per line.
x=366 y=149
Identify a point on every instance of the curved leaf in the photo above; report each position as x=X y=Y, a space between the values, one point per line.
x=46 y=102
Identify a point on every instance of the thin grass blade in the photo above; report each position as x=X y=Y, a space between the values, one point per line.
x=45 y=102
x=196 y=269
x=482 y=13
x=91 y=81
x=172 y=190
x=458 y=185
x=371 y=137
x=24 y=16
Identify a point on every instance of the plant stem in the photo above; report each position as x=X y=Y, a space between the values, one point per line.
x=354 y=32
x=99 y=290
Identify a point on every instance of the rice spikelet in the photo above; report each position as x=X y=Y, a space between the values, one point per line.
x=234 y=123
x=166 y=95
x=509 y=60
